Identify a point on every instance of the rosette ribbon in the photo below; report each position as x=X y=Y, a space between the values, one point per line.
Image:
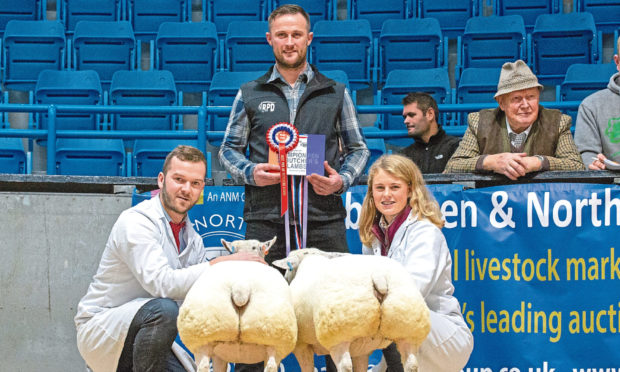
x=282 y=138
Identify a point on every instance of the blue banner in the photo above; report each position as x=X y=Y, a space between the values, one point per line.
x=535 y=268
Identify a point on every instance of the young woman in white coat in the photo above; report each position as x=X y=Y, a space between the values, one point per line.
x=401 y=220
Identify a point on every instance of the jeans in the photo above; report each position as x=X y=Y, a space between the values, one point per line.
x=149 y=339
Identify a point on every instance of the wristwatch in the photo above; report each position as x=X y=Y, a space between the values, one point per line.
x=542 y=161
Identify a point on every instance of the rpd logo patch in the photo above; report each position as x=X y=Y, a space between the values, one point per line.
x=267 y=106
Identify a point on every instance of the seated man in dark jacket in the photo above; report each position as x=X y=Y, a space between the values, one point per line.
x=519 y=136
x=432 y=147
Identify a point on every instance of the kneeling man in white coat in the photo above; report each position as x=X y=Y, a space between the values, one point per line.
x=127 y=319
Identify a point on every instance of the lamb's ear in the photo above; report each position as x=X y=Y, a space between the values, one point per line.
x=289 y=263
x=229 y=247
x=282 y=264
x=267 y=245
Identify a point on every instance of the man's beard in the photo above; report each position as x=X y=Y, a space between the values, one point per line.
x=297 y=64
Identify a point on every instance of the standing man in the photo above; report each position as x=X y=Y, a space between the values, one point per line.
x=293 y=91
x=597 y=131
x=127 y=319
x=518 y=137
x=432 y=147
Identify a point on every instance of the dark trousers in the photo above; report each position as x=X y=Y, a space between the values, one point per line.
x=330 y=236
x=150 y=336
x=392 y=359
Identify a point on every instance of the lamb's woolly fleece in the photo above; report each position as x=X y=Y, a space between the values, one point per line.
x=209 y=316
x=339 y=293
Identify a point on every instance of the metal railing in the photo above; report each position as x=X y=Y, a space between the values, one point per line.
x=201 y=133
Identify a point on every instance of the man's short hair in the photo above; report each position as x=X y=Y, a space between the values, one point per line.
x=184 y=153
x=289 y=9
x=424 y=101
x=618 y=45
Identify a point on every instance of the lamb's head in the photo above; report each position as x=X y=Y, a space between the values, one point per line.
x=261 y=249
x=294 y=259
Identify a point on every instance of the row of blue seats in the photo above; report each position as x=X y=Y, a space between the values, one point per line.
x=95 y=157
x=74 y=156
x=191 y=51
x=157 y=88
x=147 y=15
x=107 y=157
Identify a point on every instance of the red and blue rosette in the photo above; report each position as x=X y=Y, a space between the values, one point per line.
x=282 y=138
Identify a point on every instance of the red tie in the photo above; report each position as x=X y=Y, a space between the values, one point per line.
x=176 y=228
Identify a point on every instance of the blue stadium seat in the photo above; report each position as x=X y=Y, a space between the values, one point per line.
x=247 y=48
x=72 y=88
x=222 y=12
x=377 y=12
x=147 y=15
x=90 y=157
x=105 y=47
x=413 y=43
x=12 y=156
x=528 y=9
x=477 y=85
x=189 y=51
x=337 y=75
x=452 y=14
x=143 y=88
x=318 y=10
x=24 y=10
x=581 y=80
x=70 y=12
x=376 y=146
x=30 y=47
x=149 y=155
x=222 y=92
x=399 y=83
x=346 y=46
x=560 y=40
x=606 y=13
x=492 y=41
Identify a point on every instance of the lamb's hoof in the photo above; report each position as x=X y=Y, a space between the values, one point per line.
x=411 y=365
x=271 y=366
x=346 y=366
x=204 y=366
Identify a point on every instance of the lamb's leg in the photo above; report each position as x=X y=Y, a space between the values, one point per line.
x=342 y=358
x=360 y=363
x=305 y=357
x=219 y=365
x=407 y=356
x=271 y=365
x=202 y=358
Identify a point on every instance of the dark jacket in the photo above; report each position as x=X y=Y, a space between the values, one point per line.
x=432 y=157
x=317 y=113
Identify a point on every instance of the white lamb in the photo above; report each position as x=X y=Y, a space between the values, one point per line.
x=239 y=312
x=349 y=305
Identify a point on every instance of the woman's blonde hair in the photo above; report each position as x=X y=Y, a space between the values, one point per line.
x=422 y=203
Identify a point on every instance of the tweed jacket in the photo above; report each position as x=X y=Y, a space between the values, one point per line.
x=565 y=157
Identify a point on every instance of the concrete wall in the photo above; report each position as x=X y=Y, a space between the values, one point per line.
x=51 y=246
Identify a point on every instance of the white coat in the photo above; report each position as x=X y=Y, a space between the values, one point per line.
x=140 y=262
x=422 y=249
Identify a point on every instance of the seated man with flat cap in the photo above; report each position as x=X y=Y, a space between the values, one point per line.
x=518 y=137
